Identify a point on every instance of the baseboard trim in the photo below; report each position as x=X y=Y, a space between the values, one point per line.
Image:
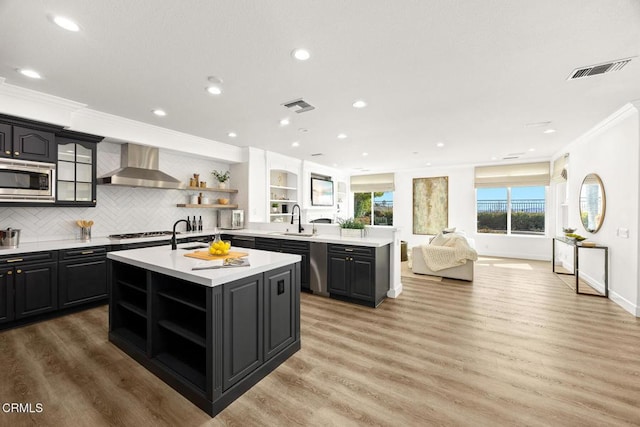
x=395 y=292
x=624 y=303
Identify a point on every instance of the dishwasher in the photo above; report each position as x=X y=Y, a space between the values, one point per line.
x=318 y=269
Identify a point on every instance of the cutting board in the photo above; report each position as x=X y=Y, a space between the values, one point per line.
x=208 y=257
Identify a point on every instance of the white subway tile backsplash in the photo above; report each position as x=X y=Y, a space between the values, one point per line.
x=119 y=209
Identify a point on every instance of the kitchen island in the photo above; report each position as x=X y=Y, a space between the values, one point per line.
x=210 y=334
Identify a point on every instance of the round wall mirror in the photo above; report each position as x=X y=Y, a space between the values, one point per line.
x=593 y=203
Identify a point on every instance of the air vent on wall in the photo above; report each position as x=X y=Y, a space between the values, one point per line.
x=599 y=69
x=301 y=104
x=510 y=157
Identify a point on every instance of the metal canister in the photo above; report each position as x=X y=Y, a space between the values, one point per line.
x=9 y=238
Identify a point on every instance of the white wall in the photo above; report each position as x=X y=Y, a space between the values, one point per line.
x=462 y=215
x=120 y=209
x=611 y=150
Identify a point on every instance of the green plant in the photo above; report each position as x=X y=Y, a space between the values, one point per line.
x=221 y=176
x=350 y=223
x=274 y=205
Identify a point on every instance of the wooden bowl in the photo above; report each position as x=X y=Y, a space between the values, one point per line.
x=223 y=201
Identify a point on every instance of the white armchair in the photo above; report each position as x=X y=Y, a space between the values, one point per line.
x=461 y=272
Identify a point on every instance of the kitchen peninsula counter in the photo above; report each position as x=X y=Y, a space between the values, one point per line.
x=210 y=334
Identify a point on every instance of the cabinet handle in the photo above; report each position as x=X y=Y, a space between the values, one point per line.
x=15 y=260
x=86 y=252
x=16 y=153
x=7 y=152
x=348 y=250
x=9 y=273
x=18 y=271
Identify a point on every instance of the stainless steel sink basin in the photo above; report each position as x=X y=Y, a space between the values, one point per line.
x=298 y=234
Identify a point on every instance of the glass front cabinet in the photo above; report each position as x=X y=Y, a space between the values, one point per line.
x=76 y=173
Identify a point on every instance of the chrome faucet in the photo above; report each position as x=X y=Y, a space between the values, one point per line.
x=174 y=242
x=300 y=229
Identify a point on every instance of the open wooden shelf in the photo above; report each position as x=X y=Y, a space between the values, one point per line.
x=189 y=205
x=217 y=190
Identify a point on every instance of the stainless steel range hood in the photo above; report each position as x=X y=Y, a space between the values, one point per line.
x=139 y=168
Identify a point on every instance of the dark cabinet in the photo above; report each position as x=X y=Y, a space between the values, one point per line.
x=28 y=284
x=359 y=274
x=36 y=289
x=31 y=144
x=280 y=326
x=6 y=144
x=296 y=247
x=76 y=169
x=82 y=276
x=6 y=295
x=242 y=303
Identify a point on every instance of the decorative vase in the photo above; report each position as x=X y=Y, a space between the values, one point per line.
x=222 y=185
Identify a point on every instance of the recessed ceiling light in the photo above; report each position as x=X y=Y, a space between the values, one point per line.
x=549 y=131
x=66 y=23
x=284 y=122
x=160 y=113
x=342 y=136
x=440 y=144
x=30 y=73
x=494 y=158
x=359 y=104
x=295 y=144
x=532 y=149
x=232 y=134
x=214 y=90
x=365 y=154
x=428 y=163
x=301 y=54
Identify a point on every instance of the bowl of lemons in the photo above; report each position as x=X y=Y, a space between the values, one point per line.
x=220 y=247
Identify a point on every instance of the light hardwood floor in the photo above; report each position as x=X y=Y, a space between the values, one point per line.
x=516 y=347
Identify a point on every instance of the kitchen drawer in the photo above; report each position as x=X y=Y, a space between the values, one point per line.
x=267 y=244
x=28 y=257
x=353 y=250
x=82 y=252
x=295 y=245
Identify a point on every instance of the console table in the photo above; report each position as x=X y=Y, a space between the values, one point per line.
x=576 y=263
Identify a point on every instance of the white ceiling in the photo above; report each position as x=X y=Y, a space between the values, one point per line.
x=471 y=74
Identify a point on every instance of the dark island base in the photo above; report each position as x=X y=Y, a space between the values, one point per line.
x=211 y=344
x=185 y=388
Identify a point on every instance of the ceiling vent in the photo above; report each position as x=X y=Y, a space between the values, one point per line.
x=316 y=154
x=301 y=104
x=593 y=70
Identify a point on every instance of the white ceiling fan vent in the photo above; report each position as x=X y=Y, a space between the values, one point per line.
x=301 y=104
x=593 y=70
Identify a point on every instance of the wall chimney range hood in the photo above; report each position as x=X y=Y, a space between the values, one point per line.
x=139 y=168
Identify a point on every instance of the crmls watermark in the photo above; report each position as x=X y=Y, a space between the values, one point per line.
x=25 y=408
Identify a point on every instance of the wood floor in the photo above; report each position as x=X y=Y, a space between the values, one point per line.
x=516 y=347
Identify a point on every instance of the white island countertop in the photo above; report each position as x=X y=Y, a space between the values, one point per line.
x=321 y=237
x=163 y=260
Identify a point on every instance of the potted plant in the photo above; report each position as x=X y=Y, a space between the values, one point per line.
x=274 y=208
x=222 y=178
x=351 y=227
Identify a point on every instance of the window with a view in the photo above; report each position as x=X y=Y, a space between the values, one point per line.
x=511 y=210
x=373 y=208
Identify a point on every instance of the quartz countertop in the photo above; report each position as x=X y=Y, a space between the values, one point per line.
x=52 y=245
x=163 y=260
x=323 y=238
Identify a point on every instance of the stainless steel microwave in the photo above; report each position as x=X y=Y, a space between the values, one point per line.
x=24 y=181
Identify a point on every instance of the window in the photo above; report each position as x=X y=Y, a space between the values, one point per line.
x=511 y=210
x=373 y=208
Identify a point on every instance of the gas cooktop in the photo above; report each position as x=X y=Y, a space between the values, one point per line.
x=141 y=235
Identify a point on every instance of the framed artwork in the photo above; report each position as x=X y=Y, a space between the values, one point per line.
x=430 y=205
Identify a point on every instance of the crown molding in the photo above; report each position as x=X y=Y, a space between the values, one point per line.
x=624 y=112
x=41 y=98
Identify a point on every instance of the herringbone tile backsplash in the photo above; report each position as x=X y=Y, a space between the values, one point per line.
x=119 y=209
